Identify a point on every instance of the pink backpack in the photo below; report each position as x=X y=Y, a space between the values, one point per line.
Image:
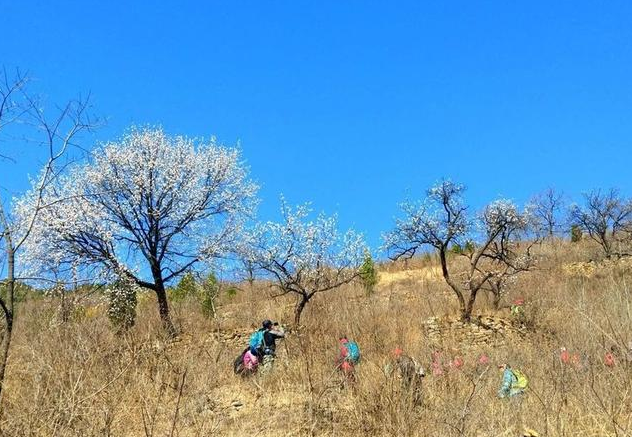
x=250 y=360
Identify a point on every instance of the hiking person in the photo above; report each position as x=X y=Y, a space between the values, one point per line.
x=483 y=360
x=568 y=359
x=517 y=307
x=565 y=355
x=457 y=363
x=271 y=332
x=348 y=357
x=514 y=382
x=609 y=359
x=262 y=346
x=409 y=371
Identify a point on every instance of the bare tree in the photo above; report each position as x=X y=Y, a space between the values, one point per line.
x=168 y=202
x=12 y=105
x=305 y=258
x=441 y=221
x=607 y=219
x=57 y=135
x=545 y=209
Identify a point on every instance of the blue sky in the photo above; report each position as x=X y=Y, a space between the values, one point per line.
x=353 y=106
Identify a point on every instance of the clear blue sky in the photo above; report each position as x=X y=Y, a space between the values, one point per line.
x=353 y=105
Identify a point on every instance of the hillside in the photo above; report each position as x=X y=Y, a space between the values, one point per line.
x=77 y=378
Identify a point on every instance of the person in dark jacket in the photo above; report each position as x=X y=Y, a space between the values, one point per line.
x=271 y=333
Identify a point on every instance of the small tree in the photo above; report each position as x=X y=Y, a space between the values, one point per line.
x=607 y=219
x=187 y=287
x=369 y=274
x=305 y=258
x=209 y=292
x=442 y=221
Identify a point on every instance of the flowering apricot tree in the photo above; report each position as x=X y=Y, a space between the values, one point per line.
x=305 y=257
x=509 y=252
x=441 y=220
x=146 y=207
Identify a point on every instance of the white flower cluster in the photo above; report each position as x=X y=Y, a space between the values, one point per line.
x=145 y=197
x=305 y=256
x=440 y=220
x=503 y=216
x=122 y=300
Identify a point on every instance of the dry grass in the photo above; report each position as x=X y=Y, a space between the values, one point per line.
x=79 y=379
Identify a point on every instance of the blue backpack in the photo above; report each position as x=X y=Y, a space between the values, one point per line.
x=256 y=342
x=353 y=352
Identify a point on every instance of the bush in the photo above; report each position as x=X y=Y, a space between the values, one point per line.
x=576 y=233
x=231 y=292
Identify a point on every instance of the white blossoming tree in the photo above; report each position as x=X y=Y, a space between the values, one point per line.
x=441 y=221
x=146 y=208
x=509 y=252
x=305 y=257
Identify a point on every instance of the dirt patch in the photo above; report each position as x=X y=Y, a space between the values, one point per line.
x=415 y=275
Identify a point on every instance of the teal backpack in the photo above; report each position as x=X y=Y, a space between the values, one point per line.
x=353 y=352
x=256 y=342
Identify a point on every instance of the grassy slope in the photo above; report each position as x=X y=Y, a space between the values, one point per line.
x=80 y=379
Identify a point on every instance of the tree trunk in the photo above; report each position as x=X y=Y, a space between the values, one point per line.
x=607 y=248
x=7 y=307
x=497 y=299
x=163 y=310
x=299 y=309
x=497 y=296
x=467 y=314
x=450 y=282
x=163 y=304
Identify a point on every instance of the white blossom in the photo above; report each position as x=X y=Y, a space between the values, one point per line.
x=440 y=220
x=146 y=198
x=305 y=256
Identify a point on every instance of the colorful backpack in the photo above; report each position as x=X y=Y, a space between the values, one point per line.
x=353 y=352
x=251 y=361
x=521 y=379
x=256 y=342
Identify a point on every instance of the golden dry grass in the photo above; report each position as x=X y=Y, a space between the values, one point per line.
x=79 y=379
